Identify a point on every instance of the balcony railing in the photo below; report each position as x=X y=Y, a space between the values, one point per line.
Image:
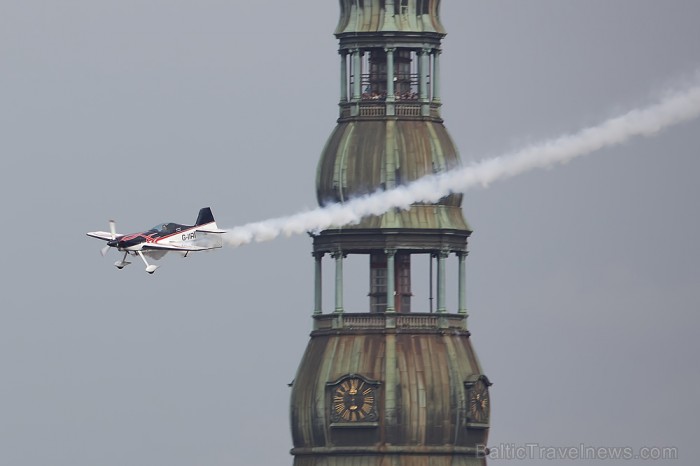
x=378 y=108
x=372 y=110
x=412 y=109
x=406 y=322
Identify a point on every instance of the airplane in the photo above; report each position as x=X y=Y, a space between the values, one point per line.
x=163 y=238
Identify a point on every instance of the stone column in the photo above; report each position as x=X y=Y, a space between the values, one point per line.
x=318 y=292
x=390 y=98
x=436 y=75
x=390 y=73
x=423 y=64
x=441 y=305
x=390 y=285
x=343 y=76
x=462 y=297
x=338 y=256
x=423 y=59
x=357 y=74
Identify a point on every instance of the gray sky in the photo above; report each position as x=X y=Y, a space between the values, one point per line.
x=583 y=280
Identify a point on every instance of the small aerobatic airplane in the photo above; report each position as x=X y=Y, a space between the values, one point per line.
x=163 y=238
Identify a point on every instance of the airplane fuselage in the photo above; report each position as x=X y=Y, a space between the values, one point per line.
x=163 y=234
x=163 y=238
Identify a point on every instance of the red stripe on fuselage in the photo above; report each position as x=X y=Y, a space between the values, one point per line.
x=153 y=238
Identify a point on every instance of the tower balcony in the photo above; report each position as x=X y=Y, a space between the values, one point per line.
x=414 y=322
x=378 y=107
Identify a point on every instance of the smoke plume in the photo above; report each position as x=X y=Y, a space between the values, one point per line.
x=673 y=109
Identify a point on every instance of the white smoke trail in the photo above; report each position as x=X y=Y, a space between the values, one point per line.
x=675 y=108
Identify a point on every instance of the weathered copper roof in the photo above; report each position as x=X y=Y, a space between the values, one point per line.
x=423 y=369
x=363 y=156
x=389 y=16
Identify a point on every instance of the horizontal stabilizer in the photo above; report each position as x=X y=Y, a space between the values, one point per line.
x=210 y=228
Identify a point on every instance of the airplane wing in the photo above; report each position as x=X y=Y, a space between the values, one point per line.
x=103 y=235
x=170 y=247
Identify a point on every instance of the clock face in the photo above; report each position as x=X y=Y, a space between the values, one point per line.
x=479 y=403
x=353 y=400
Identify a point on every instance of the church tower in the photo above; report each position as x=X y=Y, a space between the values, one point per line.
x=396 y=383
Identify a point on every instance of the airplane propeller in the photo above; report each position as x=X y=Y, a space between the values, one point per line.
x=113 y=231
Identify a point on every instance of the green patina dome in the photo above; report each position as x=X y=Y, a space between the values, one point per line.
x=361 y=157
x=389 y=16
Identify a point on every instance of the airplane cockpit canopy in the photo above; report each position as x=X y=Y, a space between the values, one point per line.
x=167 y=228
x=160 y=228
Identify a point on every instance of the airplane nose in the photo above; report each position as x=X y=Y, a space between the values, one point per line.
x=121 y=244
x=126 y=243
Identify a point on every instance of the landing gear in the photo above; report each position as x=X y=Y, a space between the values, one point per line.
x=122 y=263
x=149 y=268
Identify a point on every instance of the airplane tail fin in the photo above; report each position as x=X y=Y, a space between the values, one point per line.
x=205 y=216
x=205 y=219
